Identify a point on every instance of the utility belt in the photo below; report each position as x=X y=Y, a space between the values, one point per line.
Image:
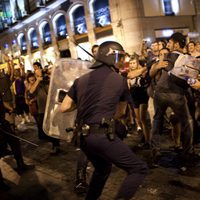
x=106 y=127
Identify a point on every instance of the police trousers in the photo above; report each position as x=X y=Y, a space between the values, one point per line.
x=6 y=138
x=103 y=153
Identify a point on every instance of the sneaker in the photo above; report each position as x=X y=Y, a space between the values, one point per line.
x=139 y=129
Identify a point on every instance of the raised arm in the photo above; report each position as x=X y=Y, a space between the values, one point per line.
x=156 y=67
x=137 y=72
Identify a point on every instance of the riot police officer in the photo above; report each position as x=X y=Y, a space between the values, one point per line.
x=96 y=96
x=7 y=137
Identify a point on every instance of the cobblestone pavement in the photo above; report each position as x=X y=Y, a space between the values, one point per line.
x=53 y=177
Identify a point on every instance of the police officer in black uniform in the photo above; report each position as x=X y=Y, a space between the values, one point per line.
x=96 y=96
x=7 y=137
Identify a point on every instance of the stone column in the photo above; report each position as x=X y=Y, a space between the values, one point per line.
x=89 y=23
x=53 y=38
x=72 y=46
x=40 y=43
x=126 y=24
x=25 y=31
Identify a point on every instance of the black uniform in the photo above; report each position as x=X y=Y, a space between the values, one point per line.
x=6 y=138
x=96 y=95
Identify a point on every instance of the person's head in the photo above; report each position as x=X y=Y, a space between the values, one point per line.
x=162 y=53
x=95 y=50
x=17 y=73
x=176 y=42
x=110 y=53
x=161 y=44
x=31 y=78
x=37 y=65
x=133 y=62
x=197 y=47
x=191 y=47
x=154 y=47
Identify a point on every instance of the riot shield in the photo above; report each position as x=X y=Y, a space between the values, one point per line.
x=63 y=75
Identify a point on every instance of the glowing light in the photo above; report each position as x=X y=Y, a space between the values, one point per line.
x=167 y=33
x=14 y=42
x=6 y=46
x=175 y=6
x=148 y=39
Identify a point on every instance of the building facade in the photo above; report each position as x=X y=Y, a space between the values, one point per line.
x=45 y=30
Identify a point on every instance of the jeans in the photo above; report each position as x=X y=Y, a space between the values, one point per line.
x=178 y=104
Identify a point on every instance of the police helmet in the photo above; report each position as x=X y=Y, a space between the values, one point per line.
x=109 y=53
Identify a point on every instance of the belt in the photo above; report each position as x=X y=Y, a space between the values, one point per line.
x=96 y=129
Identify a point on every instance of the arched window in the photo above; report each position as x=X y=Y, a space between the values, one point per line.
x=61 y=29
x=46 y=33
x=101 y=13
x=170 y=7
x=33 y=39
x=22 y=43
x=79 y=20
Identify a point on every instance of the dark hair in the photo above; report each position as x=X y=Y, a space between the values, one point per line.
x=30 y=74
x=154 y=42
x=164 y=48
x=135 y=56
x=164 y=43
x=191 y=42
x=38 y=64
x=180 y=38
x=94 y=46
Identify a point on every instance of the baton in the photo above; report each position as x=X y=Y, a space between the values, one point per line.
x=22 y=139
x=73 y=41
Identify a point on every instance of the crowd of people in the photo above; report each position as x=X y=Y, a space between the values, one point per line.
x=112 y=101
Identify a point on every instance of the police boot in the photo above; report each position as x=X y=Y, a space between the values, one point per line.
x=81 y=185
x=22 y=167
x=3 y=185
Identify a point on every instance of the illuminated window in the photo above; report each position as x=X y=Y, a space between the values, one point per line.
x=46 y=34
x=22 y=43
x=79 y=20
x=34 y=39
x=61 y=27
x=101 y=13
x=170 y=7
x=5 y=14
